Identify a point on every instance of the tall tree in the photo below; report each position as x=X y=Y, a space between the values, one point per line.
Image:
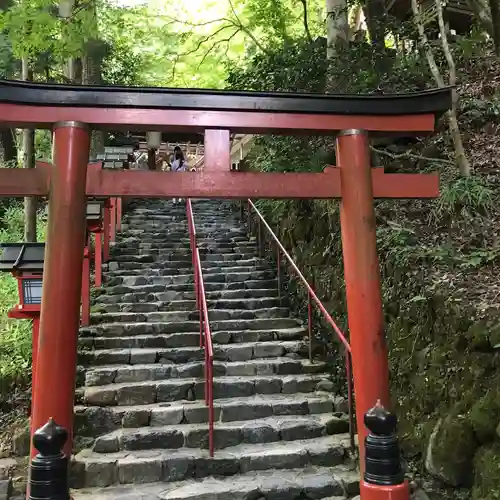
x=94 y=53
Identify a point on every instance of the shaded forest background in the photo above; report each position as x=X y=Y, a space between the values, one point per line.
x=438 y=258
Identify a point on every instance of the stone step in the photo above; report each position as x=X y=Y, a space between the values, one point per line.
x=230 y=352
x=125 y=329
x=141 y=294
x=226 y=434
x=105 y=375
x=174 y=240
x=189 y=278
x=170 y=264
x=164 y=391
x=190 y=305
x=315 y=482
x=95 y=420
x=189 y=287
x=157 y=270
x=175 y=316
x=191 y=339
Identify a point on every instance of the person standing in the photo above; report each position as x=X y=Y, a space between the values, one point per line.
x=179 y=164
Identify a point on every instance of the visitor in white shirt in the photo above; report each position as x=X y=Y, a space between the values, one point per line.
x=179 y=164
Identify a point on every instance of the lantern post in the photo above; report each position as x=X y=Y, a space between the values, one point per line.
x=25 y=262
x=95 y=225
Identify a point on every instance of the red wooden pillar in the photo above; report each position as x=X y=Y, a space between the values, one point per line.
x=34 y=354
x=106 y=227
x=62 y=280
x=98 y=259
x=362 y=277
x=87 y=253
x=112 y=231
x=119 y=213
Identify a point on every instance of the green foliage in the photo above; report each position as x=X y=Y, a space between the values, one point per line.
x=298 y=67
x=466 y=197
x=485 y=416
x=15 y=335
x=487 y=479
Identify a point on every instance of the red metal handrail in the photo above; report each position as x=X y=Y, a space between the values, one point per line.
x=205 y=332
x=311 y=297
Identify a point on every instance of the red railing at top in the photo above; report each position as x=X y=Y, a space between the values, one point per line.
x=205 y=332
x=312 y=297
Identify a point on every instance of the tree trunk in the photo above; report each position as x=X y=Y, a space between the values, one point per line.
x=495 y=20
x=92 y=75
x=30 y=203
x=376 y=23
x=482 y=14
x=9 y=145
x=337 y=34
x=337 y=26
x=91 y=63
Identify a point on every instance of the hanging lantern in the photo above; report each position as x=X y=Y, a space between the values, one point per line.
x=66 y=8
x=153 y=140
x=25 y=262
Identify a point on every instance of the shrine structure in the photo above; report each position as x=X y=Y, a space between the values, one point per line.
x=73 y=111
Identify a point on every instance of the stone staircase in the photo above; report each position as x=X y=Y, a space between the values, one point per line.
x=141 y=417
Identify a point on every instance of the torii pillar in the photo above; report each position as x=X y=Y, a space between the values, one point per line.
x=62 y=279
x=362 y=276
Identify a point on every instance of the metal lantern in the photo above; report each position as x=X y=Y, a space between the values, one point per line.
x=94 y=212
x=66 y=8
x=25 y=262
x=154 y=140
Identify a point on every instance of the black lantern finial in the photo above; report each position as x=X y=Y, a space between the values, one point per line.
x=49 y=469
x=382 y=458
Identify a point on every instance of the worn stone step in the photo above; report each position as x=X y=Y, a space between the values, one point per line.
x=189 y=305
x=191 y=339
x=230 y=352
x=175 y=316
x=124 y=329
x=226 y=434
x=94 y=420
x=156 y=270
x=149 y=294
x=301 y=483
x=188 y=287
x=189 y=278
x=112 y=374
x=148 y=256
x=172 y=264
x=164 y=391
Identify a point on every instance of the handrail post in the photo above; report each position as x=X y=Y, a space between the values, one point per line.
x=350 y=399
x=249 y=219
x=260 y=242
x=278 y=268
x=383 y=475
x=309 y=324
x=48 y=477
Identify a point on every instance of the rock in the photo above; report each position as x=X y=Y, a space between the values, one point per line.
x=498 y=430
x=5 y=489
x=325 y=386
x=450 y=451
x=21 y=441
x=113 y=266
x=485 y=416
x=486 y=473
x=419 y=494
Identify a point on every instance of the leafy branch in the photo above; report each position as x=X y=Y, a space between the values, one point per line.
x=409 y=155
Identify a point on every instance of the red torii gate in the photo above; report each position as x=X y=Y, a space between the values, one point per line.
x=73 y=110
